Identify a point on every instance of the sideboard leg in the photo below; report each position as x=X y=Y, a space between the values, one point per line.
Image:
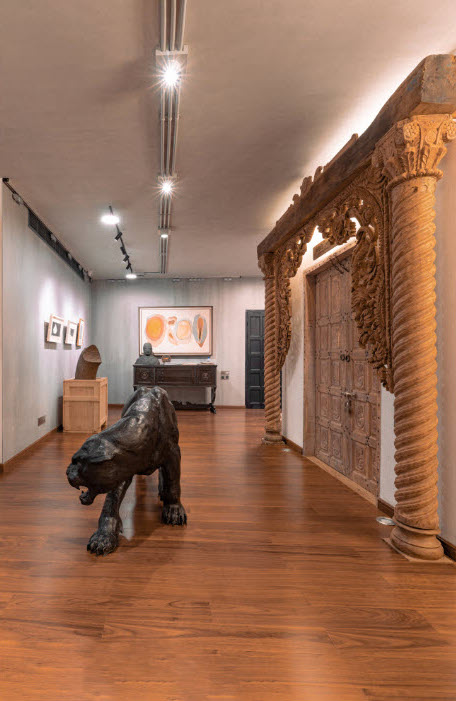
x=211 y=406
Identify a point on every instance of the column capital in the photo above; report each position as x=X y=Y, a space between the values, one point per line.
x=414 y=147
x=266 y=263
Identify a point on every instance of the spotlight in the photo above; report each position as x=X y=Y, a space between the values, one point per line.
x=131 y=276
x=110 y=219
x=118 y=235
x=126 y=257
x=17 y=198
x=164 y=235
x=171 y=74
x=123 y=250
x=167 y=187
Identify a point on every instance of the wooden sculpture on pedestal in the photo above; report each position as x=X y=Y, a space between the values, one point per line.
x=88 y=363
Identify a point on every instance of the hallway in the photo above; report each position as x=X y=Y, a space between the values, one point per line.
x=280 y=588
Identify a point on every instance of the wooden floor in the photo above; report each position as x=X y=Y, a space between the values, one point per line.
x=280 y=588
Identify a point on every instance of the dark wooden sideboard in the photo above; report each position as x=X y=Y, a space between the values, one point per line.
x=179 y=376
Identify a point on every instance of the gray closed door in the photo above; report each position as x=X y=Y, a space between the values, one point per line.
x=254 y=359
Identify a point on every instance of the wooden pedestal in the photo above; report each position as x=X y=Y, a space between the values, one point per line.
x=85 y=405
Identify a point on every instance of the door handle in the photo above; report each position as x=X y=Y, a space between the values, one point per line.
x=348 y=400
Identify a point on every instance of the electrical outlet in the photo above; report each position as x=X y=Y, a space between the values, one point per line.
x=41 y=420
x=225 y=374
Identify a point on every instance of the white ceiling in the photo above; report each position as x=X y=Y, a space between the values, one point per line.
x=273 y=88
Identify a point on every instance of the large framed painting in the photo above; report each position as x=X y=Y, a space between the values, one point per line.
x=55 y=329
x=176 y=330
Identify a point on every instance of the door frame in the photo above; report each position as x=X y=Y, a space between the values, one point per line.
x=309 y=409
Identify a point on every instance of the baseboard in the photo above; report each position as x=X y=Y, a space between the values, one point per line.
x=294 y=446
x=217 y=406
x=30 y=447
x=448 y=548
x=230 y=406
x=371 y=498
x=385 y=508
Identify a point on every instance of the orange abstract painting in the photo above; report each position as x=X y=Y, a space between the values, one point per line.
x=176 y=330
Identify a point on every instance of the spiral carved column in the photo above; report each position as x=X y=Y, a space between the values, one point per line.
x=409 y=155
x=273 y=432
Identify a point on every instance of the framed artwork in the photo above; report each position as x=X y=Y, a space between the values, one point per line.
x=176 y=330
x=71 y=332
x=80 y=338
x=55 y=329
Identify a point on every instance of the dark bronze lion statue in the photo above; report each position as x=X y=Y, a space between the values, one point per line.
x=145 y=439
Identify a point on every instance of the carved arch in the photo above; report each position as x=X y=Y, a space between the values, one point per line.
x=358 y=211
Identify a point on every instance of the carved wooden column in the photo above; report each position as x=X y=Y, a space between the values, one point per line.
x=409 y=156
x=273 y=427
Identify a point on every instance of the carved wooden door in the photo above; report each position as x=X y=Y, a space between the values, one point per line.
x=347 y=388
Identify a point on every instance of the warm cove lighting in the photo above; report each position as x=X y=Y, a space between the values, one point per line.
x=171 y=74
x=110 y=219
x=131 y=276
x=167 y=187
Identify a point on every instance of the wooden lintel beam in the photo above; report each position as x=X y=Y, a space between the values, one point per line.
x=429 y=89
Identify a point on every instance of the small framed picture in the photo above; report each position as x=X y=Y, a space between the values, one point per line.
x=80 y=338
x=71 y=333
x=55 y=329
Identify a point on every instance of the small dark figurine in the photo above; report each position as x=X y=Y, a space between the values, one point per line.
x=148 y=357
x=145 y=439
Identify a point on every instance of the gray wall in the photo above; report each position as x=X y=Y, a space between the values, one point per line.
x=36 y=283
x=115 y=327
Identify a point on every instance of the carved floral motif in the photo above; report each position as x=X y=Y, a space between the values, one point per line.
x=289 y=260
x=414 y=147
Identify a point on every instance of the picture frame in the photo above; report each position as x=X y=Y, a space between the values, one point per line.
x=80 y=337
x=55 y=329
x=71 y=332
x=177 y=331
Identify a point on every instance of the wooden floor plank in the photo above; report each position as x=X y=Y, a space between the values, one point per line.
x=279 y=589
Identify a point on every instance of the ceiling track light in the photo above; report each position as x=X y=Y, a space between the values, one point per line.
x=171 y=64
x=110 y=219
x=114 y=219
x=44 y=233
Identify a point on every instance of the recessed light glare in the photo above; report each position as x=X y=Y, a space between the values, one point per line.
x=110 y=219
x=171 y=74
x=167 y=187
x=131 y=276
x=164 y=235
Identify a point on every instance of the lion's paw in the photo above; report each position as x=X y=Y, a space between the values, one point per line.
x=103 y=542
x=174 y=515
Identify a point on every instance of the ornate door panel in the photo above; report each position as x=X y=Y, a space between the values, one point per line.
x=347 y=389
x=331 y=338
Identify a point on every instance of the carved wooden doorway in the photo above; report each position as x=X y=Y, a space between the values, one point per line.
x=346 y=387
